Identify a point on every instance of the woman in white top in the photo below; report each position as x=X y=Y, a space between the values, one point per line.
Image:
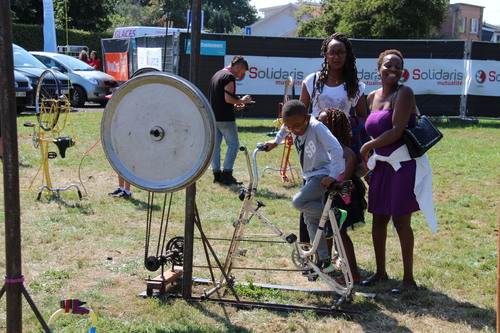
x=336 y=85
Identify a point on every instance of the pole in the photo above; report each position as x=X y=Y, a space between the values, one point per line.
x=194 y=77
x=13 y=278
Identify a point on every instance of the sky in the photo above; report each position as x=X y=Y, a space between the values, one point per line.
x=491 y=11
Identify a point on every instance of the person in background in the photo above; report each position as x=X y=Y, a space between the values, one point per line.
x=338 y=123
x=84 y=57
x=95 y=61
x=123 y=190
x=320 y=156
x=223 y=98
x=396 y=178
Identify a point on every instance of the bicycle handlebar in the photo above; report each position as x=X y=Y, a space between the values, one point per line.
x=343 y=187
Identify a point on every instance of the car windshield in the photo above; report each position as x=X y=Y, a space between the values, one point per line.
x=73 y=63
x=24 y=59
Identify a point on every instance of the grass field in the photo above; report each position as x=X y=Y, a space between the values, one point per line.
x=93 y=249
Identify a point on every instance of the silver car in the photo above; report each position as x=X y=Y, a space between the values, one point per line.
x=26 y=64
x=88 y=83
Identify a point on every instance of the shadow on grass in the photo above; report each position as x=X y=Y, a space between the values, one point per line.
x=256 y=129
x=454 y=123
x=226 y=319
x=261 y=193
x=422 y=303
x=82 y=206
x=143 y=205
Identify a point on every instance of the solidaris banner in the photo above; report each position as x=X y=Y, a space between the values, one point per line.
x=484 y=79
x=267 y=75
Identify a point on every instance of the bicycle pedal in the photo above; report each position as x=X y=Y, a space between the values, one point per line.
x=51 y=154
x=292 y=238
x=312 y=278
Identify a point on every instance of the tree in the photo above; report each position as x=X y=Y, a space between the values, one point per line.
x=400 y=19
x=89 y=15
x=220 y=16
x=136 y=13
x=27 y=11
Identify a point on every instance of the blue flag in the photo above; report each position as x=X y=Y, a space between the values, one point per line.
x=49 y=29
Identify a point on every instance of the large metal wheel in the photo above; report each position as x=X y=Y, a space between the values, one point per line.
x=46 y=101
x=158 y=132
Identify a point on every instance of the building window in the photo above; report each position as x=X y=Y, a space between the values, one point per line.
x=498 y=38
x=464 y=24
x=474 y=26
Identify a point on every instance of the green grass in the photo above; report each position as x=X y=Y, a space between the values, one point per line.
x=93 y=249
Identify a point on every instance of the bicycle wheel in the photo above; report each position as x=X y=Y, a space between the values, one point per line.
x=47 y=99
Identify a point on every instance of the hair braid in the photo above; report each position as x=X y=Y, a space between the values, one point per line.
x=339 y=125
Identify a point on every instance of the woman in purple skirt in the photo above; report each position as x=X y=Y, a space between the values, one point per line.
x=391 y=191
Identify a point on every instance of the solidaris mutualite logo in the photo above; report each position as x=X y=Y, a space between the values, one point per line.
x=480 y=76
x=404 y=76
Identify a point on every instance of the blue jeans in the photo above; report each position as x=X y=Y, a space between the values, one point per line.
x=229 y=131
x=309 y=201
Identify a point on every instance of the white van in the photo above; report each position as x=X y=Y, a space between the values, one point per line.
x=130 y=32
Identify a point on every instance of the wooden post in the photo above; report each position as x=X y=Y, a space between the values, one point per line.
x=194 y=77
x=13 y=278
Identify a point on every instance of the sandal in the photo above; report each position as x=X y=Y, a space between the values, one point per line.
x=341 y=280
x=399 y=291
x=373 y=279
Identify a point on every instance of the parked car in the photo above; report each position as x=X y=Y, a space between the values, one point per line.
x=27 y=64
x=89 y=84
x=24 y=91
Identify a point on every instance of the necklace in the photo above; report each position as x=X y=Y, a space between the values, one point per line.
x=336 y=81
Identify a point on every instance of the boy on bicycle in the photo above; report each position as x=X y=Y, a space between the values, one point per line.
x=321 y=160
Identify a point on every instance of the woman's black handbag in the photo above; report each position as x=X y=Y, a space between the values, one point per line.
x=422 y=137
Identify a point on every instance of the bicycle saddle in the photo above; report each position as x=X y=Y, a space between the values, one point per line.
x=62 y=144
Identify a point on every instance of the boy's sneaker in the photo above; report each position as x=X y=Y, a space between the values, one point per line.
x=115 y=192
x=326 y=266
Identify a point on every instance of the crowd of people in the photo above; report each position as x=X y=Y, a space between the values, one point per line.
x=331 y=101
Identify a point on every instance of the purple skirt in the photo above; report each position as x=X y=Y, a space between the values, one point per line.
x=391 y=192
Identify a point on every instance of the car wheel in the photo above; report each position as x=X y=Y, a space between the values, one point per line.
x=78 y=97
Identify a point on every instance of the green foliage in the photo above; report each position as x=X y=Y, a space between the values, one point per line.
x=30 y=37
x=89 y=15
x=27 y=11
x=256 y=293
x=400 y=19
x=176 y=11
x=220 y=16
x=135 y=13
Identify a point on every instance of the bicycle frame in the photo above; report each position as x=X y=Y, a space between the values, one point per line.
x=302 y=258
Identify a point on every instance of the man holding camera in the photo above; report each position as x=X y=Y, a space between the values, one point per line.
x=223 y=98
